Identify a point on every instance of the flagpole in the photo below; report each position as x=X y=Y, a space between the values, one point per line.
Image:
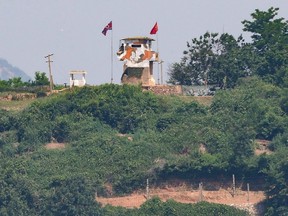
x=112 y=55
x=153 y=31
x=106 y=28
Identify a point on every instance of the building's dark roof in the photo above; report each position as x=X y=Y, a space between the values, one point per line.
x=138 y=38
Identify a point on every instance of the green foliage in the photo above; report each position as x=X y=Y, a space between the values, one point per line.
x=284 y=101
x=18 y=194
x=235 y=60
x=215 y=59
x=4 y=85
x=281 y=140
x=7 y=120
x=41 y=79
x=277 y=180
x=256 y=104
x=195 y=165
x=119 y=136
x=124 y=108
x=222 y=59
x=109 y=210
x=16 y=84
x=61 y=130
x=181 y=112
x=41 y=94
x=71 y=197
x=270 y=37
x=155 y=206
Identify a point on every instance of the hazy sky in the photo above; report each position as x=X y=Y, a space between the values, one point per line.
x=71 y=30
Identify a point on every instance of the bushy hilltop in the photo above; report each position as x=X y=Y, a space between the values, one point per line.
x=118 y=136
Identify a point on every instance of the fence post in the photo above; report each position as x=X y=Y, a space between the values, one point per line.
x=147 y=189
x=248 y=190
x=200 y=192
x=234 y=188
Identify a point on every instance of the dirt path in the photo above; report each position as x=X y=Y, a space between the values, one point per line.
x=221 y=196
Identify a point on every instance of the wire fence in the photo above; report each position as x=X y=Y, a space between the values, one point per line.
x=200 y=90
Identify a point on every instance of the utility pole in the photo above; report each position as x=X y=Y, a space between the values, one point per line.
x=50 y=73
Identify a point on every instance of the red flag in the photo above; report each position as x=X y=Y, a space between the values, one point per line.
x=107 y=27
x=154 y=29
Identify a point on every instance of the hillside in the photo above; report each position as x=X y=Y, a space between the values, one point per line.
x=110 y=139
x=7 y=71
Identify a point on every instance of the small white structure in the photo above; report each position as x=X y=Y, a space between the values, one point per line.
x=77 y=78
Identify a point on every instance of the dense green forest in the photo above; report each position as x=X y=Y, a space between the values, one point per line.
x=120 y=135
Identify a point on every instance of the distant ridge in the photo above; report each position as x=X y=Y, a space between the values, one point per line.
x=7 y=71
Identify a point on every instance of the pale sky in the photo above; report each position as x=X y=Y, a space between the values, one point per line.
x=71 y=30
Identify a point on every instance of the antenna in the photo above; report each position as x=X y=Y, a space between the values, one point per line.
x=161 y=71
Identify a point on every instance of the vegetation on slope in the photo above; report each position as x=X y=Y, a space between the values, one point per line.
x=155 y=206
x=119 y=136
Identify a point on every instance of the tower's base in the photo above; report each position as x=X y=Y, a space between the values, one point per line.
x=138 y=75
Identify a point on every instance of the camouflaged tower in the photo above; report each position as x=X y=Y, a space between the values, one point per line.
x=138 y=58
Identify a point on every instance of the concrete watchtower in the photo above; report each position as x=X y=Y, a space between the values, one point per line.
x=138 y=58
x=77 y=82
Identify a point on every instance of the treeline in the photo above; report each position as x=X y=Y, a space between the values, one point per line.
x=16 y=83
x=221 y=59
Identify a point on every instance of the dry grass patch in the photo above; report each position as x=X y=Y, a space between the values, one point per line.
x=262 y=147
x=55 y=145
